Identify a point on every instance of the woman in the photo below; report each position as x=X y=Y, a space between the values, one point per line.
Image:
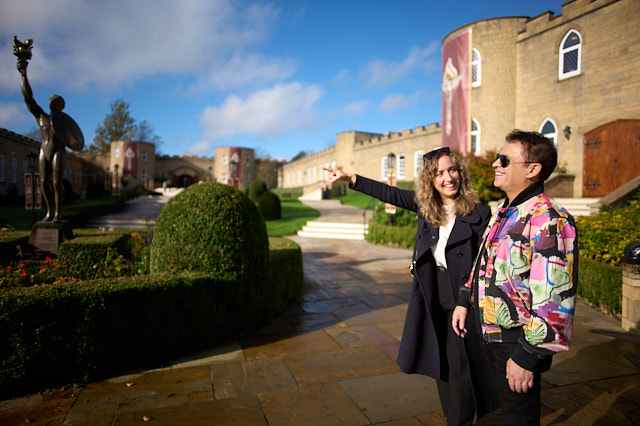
x=450 y=227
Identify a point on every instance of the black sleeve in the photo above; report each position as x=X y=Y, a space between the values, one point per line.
x=389 y=194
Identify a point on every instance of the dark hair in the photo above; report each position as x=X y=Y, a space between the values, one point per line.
x=538 y=149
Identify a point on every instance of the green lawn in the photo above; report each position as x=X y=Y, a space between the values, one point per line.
x=294 y=216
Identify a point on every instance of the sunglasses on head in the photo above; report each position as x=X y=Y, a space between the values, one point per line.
x=429 y=155
x=505 y=161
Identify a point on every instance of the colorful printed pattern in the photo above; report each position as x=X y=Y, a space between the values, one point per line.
x=526 y=273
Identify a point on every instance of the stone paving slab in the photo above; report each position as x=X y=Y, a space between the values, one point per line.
x=392 y=396
x=329 y=359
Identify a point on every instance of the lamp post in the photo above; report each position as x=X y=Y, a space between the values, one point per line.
x=391 y=162
x=32 y=157
x=116 y=190
x=234 y=170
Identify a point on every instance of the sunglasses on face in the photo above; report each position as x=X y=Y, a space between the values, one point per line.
x=505 y=161
x=429 y=155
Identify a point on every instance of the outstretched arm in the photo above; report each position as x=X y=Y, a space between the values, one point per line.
x=336 y=175
x=27 y=93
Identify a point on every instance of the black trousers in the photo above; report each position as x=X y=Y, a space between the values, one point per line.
x=454 y=388
x=516 y=408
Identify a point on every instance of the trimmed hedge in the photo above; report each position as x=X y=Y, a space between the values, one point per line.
x=400 y=236
x=59 y=334
x=269 y=206
x=213 y=228
x=601 y=285
x=256 y=189
x=86 y=254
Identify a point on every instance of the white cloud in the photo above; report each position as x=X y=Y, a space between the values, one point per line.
x=397 y=102
x=247 y=70
x=107 y=44
x=14 y=114
x=341 y=79
x=200 y=148
x=383 y=73
x=274 y=111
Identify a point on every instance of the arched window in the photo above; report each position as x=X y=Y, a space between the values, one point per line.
x=475 y=136
x=417 y=162
x=570 y=55
x=401 y=166
x=476 y=68
x=549 y=129
x=384 y=165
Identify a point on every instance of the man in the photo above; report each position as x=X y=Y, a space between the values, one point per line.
x=57 y=130
x=524 y=282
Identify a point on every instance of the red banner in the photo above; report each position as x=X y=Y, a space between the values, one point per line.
x=130 y=163
x=456 y=84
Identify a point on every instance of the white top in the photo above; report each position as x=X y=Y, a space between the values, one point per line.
x=445 y=231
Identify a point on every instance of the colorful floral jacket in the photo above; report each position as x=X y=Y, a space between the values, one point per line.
x=525 y=278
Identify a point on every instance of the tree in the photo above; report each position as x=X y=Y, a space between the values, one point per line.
x=299 y=155
x=120 y=125
x=267 y=170
x=117 y=125
x=34 y=133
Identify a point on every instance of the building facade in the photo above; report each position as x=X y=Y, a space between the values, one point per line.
x=129 y=163
x=574 y=77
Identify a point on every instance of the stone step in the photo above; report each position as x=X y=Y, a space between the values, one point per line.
x=337 y=230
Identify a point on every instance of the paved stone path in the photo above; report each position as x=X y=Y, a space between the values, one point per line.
x=329 y=360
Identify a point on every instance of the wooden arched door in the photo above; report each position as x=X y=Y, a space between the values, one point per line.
x=611 y=157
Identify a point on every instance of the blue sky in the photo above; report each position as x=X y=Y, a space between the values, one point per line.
x=278 y=77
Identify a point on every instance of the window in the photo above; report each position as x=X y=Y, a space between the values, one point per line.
x=384 y=167
x=224 y=178
x=1 y=168
x=14 y=170
x=315 y=169
x=117 y=153
x=549 y=130
x=144 y=156
x=401 y=167
x=247 y=161
x=224 y=160
x=475 y=137
x=570 y=55
x=476 y=68
x=417 y=162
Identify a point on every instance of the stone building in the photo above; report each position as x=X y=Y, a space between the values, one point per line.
x=133 y=163
x=574 y=77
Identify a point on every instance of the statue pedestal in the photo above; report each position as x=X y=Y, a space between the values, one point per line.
x=46 y=236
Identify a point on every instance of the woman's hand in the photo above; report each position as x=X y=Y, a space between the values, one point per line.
x=458 y=318
x=336 y=175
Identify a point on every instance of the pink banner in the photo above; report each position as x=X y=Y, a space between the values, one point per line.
x=130 y=161
x=456 y=84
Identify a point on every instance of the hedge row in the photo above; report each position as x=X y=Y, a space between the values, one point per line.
x=59 y=334
x=599 y=284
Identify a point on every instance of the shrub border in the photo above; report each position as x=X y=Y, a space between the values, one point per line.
x=55 y=335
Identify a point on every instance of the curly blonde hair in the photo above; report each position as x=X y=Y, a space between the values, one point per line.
x=428 y=198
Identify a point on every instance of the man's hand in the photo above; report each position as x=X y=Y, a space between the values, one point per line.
x=336 y=175
x=458 y=319
x=520 y=379
x=22 y=67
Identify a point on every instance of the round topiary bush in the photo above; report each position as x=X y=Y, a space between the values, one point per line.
x=212 y=228
x=256 y=189
x=269 y=206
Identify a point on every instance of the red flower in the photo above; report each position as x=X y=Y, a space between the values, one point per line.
x=24 y=274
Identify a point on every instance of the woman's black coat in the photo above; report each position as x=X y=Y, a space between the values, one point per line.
x=425 y=324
